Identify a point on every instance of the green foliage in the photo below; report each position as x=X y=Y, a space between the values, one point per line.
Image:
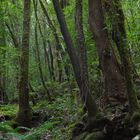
x=37 y=133
x=65 y=112
x=9 y=132
x=8 y=110
x=131 y=10
x=66 y=108
x=6 y=128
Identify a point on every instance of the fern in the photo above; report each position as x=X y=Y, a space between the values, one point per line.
x=15 y=135
x=23 y=128
x=6 y=128
x=37 y=133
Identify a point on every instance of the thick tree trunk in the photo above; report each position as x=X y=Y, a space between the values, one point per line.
x=75 y=60
x=24 y=114
x=115 y=14
x=108 y=62
x=120 y=40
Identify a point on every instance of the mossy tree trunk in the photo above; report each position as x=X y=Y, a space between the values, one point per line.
x=118 y=24
x=24 y=113
x=110 y=67
x=114 y=12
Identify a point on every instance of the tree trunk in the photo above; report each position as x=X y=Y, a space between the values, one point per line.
x=3 y=95
x=51 y=60
x=59 y=53
x=37 y=51
x=46 y=54
x=63 y=3
x=108 y=62
x=115 y=14
x=75 y=60
x=39 y=64
x=120 y=40
x=24 y=114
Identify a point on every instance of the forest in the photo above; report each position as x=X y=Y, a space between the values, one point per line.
x=70 y=69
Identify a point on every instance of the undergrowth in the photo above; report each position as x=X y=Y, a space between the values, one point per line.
x=63 y=112
x=9 y=110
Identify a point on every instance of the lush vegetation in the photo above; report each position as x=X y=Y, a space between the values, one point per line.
x=69 y=69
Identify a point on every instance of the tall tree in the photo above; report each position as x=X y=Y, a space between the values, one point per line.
x=24 y=113
x=75 y=60
x=108 y=62
x=97 y=24
x=3 y=96
x=113 y=10
x=121 y=42
x=38 y=51
x=59 y=50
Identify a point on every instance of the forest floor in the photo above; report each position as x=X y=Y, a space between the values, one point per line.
x=51 y=121
x=63 y=119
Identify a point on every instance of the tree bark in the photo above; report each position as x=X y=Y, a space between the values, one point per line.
x=114 y=12
x=109 y=65
x=75 y=60
x=3 y=95
x=24 y=114
x=121 y=42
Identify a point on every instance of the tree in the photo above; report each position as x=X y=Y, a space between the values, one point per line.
x=63 y=3
x=121 y=42
x=109 y=65
x=59 y=50
x=24 y=114
x=113 y=10
x=3 y=96
x=97 y=24
x=75 y=60
x=38 y=52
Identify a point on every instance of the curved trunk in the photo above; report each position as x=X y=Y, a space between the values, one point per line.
x=75 y=60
